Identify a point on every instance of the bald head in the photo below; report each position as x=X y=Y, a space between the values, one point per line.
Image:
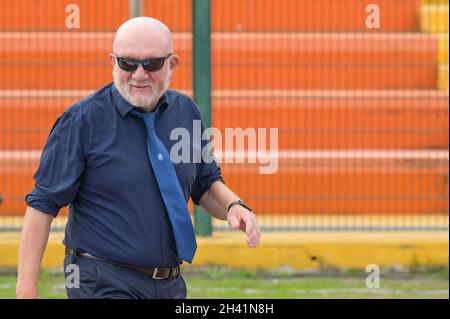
x=143 y=37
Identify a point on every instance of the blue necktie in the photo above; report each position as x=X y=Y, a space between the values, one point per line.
x=170 y=189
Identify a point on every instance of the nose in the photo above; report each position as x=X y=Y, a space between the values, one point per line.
x=140 y=74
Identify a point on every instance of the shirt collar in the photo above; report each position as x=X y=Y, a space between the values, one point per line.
x=124 y=107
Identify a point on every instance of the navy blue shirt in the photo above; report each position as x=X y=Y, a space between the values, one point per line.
x=96 y=161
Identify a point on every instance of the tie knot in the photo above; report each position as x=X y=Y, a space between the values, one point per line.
x=148 y=117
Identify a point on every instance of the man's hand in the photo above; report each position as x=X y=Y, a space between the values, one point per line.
x=241 y=218
x=216 y=202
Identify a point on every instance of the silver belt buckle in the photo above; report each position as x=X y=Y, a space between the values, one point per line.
x=155 y=274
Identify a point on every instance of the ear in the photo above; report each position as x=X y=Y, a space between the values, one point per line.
x=174 y=60
x=112 y=59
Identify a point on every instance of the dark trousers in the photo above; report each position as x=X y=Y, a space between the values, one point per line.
x=102 y=280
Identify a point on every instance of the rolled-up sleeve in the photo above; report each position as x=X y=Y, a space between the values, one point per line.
x=208 y=172
x=61 y=166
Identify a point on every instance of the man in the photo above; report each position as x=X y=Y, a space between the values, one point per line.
x=102 y=157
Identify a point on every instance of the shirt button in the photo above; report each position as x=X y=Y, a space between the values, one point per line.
x=160 y=156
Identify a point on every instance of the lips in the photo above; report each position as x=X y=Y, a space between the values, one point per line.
x=141 y=86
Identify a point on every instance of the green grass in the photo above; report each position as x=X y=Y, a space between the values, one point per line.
x=213 y=283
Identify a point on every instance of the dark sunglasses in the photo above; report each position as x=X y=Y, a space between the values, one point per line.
x=150 y=65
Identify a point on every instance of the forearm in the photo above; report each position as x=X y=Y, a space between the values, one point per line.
x=36 y=229
x=216 y=200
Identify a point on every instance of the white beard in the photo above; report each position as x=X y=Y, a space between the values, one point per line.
x=157 y=90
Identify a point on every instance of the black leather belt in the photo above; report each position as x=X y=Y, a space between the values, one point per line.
x=155 y=273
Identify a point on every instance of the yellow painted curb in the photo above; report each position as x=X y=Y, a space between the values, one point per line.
x=434 y=18
x=424 y=2
x=299 y=250
x=327 y=249
x=443 y=77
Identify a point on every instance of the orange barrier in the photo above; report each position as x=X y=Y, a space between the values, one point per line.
x=319 y=184
x=312 y=15
x=26 y=122
x=232 y=15
x=16 y=176
x=332 y=186
x=305 y=120
x=231 y=48
x=239 y=61
x=341 y=120
x=51 y=14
